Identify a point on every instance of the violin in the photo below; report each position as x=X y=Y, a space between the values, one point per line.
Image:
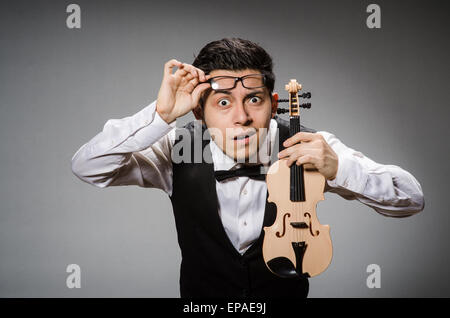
x=296 y=245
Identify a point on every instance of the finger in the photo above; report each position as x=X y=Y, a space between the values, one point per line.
x=197 y=92
x=294 y=153
x=307 y=159
x=189 y=87
x=181 y=71
x=183 y=78
x=187 y=68
x=300 y=136
x=168 y=67
x=206 y=78
x=298 y=148
x=286 y=152
x=300 y=153
x=188 y=77
x=201 y=75
x=293 y=159
x=196 y=72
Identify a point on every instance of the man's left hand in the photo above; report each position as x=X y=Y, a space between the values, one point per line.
x=311 y=149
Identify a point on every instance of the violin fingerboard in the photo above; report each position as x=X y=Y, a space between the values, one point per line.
x=297 y=185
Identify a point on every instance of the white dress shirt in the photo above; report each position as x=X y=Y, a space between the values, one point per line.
x=136 y=150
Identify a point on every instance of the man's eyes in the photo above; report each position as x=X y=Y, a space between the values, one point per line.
x=224 y=102
x=252 y=100
x=255 y=99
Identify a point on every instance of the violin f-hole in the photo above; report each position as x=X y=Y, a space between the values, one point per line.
x=310 y=225
x=284 y=225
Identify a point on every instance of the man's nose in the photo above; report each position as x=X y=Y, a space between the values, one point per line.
x=240 y=114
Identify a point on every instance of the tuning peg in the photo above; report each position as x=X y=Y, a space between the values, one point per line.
x=305 y=95
x=282 y=111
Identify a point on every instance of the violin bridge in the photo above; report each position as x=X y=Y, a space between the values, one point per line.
x=299 y=225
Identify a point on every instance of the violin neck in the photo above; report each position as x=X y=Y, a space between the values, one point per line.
x=297 y=185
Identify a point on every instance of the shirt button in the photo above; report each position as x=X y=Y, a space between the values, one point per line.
x=245 y=223
x=244 y=192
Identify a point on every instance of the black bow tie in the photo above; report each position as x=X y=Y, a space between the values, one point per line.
x=253 y=172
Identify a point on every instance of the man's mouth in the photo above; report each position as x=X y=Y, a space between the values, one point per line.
x=245 y=137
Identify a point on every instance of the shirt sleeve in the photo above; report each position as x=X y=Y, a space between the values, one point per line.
x=134 y=150
x=388 y=189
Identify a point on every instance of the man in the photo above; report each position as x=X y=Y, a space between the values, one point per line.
x=219 y=217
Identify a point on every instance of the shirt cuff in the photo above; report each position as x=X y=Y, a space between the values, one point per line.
x=152 y=131
x=351 y=174
x=161 y=124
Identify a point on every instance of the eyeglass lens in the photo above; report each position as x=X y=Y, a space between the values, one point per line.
x=248 y=81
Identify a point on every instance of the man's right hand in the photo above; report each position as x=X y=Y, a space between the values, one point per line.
x=180 y=92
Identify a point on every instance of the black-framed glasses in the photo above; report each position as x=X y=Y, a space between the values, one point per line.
x=229 y=82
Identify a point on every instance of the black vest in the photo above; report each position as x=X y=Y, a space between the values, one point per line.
x=211 y=266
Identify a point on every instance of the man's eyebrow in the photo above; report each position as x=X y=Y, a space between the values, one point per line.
x=252 y=93
x=218 y=91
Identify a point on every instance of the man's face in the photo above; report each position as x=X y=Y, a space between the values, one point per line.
x=238 y=118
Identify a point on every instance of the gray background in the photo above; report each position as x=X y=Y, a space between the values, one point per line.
x=383 y=92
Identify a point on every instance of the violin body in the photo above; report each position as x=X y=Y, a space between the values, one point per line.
x=296 y=245
x=278 y=238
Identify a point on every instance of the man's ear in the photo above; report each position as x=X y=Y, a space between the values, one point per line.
x=274 y=104
x=198 y=112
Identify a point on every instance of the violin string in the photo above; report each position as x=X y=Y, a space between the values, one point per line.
x=300 y=216
x=296 y=198
x=300 y=207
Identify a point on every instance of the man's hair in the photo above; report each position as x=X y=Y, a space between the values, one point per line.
x=235 y=54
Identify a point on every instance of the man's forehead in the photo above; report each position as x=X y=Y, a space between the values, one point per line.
x=237 y=73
